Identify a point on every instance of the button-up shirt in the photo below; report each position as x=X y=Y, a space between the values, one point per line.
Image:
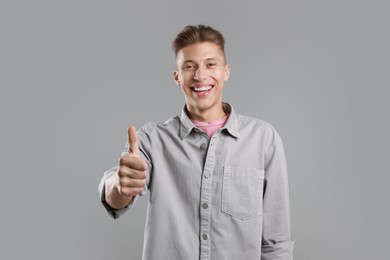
x=220 y=198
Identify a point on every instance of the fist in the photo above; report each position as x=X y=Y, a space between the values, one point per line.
x=132 y=171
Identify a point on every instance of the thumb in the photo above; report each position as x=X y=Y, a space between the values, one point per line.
x=133 y=140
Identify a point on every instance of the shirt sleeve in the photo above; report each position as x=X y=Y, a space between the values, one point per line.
x=276 y=240
x=114 y=213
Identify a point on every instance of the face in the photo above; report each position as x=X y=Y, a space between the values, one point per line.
x=201 y=73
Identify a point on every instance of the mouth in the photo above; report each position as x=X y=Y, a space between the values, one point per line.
x=202 y=89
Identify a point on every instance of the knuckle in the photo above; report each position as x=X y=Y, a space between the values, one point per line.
x=131 y=192
x=143 y=182
x=145 y=165
x=139 y=191
x=123 y=160
x=126 y=192
x=121 y=171
x=144 y=175
x=138 y=184
x=122 y=182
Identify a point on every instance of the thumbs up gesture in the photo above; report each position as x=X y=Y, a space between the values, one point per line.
x=132 y=171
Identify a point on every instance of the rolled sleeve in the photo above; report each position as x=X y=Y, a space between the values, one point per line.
x=276 y=241
x=114 y=213
x=280 y=251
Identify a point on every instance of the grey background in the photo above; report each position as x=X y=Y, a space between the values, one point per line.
x=74 y=74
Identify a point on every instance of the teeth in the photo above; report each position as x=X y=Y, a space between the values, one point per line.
x=202 y=88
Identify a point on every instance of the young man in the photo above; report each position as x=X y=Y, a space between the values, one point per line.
x=217 y=180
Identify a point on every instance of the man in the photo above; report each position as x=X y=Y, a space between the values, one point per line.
x=217 y=180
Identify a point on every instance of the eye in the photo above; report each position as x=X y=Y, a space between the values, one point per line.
x=188 y=67
x=211 y=65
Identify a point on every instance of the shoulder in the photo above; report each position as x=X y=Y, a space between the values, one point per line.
x=258 y=124
x=152 y=128
x=257 y=127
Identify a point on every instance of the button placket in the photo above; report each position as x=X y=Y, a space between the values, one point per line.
x=205 y=199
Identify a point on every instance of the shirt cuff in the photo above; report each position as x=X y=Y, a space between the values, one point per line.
x=279 y=251
x=114 y=213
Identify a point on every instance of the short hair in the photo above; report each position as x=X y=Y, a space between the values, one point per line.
x=197 y=34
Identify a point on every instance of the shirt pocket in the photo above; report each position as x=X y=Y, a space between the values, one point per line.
x=242 y=192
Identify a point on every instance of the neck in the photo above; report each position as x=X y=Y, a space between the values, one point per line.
x=206 y=115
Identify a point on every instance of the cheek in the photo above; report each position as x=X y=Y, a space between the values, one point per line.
x=218 y=76
x=186 y=78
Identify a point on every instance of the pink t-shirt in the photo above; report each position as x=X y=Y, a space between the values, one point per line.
x=210 y=127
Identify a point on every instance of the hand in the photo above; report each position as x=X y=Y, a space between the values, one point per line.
x=132 y=170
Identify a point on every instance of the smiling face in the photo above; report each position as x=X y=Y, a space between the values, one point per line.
x=201 y=73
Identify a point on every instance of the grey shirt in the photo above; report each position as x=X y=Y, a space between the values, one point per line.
x=224 y=197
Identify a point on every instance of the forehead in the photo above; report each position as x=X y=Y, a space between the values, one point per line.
x=199 y=52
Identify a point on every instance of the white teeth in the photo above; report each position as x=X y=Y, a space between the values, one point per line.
x=202 y=88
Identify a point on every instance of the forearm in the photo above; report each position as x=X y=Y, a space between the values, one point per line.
x=113 y=197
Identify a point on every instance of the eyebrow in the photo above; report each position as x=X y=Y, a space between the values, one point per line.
x=208 y=59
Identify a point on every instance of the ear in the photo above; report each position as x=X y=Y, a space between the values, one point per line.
x=176 y=77
x=227 y=72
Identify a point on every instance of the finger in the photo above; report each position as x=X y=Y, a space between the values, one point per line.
x=132 y=162
x=133 y=140
x=130 y=192
x=132 y=183
x=127 y=172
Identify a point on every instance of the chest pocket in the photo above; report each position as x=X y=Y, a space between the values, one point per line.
x=242 y=192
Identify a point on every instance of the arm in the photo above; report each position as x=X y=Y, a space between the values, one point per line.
x=276 y=241
x=121 y=184
x=113 y=196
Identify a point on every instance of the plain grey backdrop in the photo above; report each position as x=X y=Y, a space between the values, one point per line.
x=75 y=74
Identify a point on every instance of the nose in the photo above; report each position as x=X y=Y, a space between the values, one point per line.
x=200 y=74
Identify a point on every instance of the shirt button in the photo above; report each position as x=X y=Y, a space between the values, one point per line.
x=207 y=174
x=203 y=146
x=205 y=205
x=204 y=236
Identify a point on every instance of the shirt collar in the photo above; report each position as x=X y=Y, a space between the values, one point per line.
x=231 y=124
